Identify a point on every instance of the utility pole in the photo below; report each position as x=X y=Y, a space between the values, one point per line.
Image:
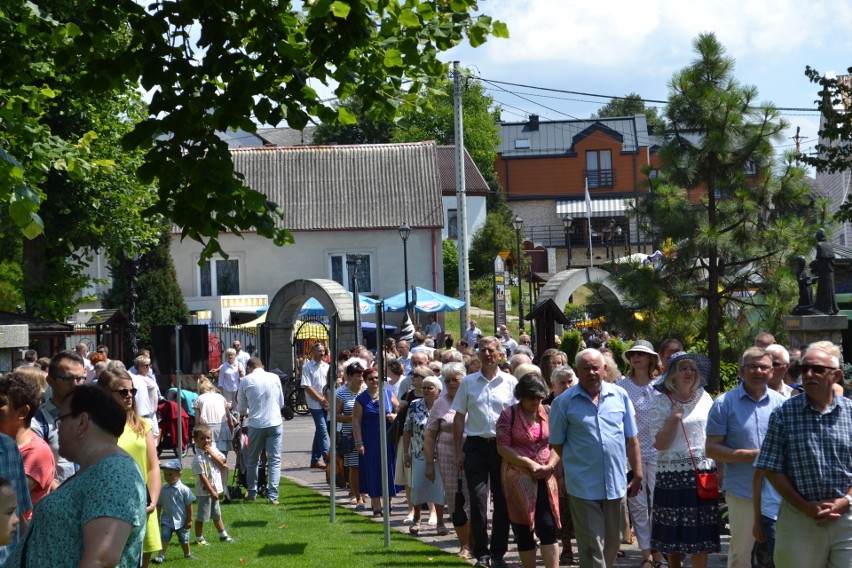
x=461 y=199
x=798 y=139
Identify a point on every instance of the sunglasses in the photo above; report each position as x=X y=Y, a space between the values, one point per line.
x=72 y=378
x=817 y=369
x=125 y=392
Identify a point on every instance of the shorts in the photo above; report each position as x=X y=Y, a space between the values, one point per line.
x=208 y=509
x=166 y=532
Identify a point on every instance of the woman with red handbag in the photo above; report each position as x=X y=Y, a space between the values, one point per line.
x=686 y=505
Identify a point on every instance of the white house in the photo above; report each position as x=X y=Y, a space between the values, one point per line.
x=476 y=189
x=341 y=203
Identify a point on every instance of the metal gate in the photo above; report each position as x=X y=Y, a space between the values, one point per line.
x=220 y=337
x=308 y=331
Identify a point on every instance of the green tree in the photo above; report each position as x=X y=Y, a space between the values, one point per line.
x=451 y=267
x=364 y=130
x=160 y=298
x=495 y=235
x=714 y=267
x=631 y=105
x=211 y=70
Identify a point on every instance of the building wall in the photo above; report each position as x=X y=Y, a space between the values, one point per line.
x=837 y=187
x=265 y=268
x=476 y=212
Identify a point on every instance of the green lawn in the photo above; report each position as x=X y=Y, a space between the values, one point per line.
x=298 y=533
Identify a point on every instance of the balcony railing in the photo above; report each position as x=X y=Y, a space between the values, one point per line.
x=600 y=178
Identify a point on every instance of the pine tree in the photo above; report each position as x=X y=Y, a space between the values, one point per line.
x=160 y=298
x=729 y=218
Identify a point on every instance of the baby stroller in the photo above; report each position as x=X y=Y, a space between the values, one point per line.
x=168 y=413
x=240 y=477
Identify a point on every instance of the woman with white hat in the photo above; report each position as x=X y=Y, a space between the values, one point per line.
x=645 y=366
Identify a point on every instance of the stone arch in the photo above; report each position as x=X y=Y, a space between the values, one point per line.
x=284 y=311
x=560 y=287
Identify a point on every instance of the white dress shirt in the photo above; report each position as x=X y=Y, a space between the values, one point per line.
x=483 y=401
x=261 y=398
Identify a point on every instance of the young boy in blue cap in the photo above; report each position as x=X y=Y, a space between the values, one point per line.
x=174 y=509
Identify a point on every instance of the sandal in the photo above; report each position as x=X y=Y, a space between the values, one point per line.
x=464 y=553
x=414 y=529
x=442 y=530
x=649 y=562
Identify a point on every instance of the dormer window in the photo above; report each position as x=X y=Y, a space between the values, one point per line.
x=522 y=144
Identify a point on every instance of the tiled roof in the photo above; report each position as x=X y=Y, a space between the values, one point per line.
x=556 y=137
x=347 y=187
x=473 y=181
x=35 y=324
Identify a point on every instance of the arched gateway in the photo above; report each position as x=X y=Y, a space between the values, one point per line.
x=284 y=311
x=563 y=284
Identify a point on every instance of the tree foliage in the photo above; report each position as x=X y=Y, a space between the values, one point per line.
x=363 y=130
x=631 y=105
x=451 y=266
x=160 y=298
x=212 y=70
x=731 y=251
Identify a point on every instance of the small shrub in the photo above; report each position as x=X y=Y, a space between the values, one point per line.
x=570 y=344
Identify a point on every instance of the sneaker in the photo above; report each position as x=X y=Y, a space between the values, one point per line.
x=201 y=542
x=158 y=559
x=274 y=502
x=190 y=556
x=483 y=562
x=226 y=538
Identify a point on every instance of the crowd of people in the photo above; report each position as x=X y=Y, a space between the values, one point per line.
x=497 y=439
x=483 y=436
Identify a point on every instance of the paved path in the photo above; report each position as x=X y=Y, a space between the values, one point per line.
x=295 y=461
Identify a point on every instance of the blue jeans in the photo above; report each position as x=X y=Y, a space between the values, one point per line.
x=269 y=439
x=320 y=445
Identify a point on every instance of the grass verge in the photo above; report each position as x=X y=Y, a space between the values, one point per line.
x=298 y=533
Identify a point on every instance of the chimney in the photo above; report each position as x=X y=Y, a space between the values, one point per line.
x=533 y=122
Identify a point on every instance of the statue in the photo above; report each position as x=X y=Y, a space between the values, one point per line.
x=805 y=280
x=823 y=265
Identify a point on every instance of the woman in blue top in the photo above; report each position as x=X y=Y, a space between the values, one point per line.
x=97 y=516
x=367 y=418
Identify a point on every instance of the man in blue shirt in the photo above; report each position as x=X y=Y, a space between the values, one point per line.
x=807 y=455
x=593 y=430
x=736 y=427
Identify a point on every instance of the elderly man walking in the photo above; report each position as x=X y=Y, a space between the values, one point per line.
x=736 y=427
x=592 y=427
x=260 y=396
x=481 y=398
x=807 y=455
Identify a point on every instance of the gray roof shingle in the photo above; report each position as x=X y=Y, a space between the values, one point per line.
x=347 y=187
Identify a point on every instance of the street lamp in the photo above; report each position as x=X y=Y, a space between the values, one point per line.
x=517 y=223
x=610 y=234
x=404 y=232
x=618 y=233
x=567 y=222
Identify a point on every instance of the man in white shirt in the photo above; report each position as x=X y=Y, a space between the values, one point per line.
x=261 y=398
x=433 y=330
x=472 y=334
x=481 y=398
x=242 y=356
x=509 y=344
x=314 y=381
x=404 y=349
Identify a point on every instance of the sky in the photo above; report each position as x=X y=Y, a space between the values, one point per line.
x=616 y=47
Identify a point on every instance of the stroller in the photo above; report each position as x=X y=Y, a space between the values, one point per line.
x=239 y=480
x=168 y=413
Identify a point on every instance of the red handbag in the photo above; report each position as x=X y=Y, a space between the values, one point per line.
x=707 y=482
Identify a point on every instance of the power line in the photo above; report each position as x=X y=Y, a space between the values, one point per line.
x=612 y=97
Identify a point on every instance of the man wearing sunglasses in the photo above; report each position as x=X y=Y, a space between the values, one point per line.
x=806 y=456
x=736 y=427
x=65 y=373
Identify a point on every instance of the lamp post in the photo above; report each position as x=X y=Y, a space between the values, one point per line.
x=611 y=238
x=567 y=222
x=518 y=223
x=404 y=232
x=353 y=262
x=618 y=233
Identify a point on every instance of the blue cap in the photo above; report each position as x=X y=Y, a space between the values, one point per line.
x=172 y=464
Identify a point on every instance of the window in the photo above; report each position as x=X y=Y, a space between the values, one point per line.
x=522 y=143
x=599 y=168
x=341 y=266
x=219 y=277
x=452 y=223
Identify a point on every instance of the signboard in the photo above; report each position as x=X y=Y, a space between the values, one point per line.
x=501 y=281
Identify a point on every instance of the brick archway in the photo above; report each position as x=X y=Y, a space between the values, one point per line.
x=284 y=311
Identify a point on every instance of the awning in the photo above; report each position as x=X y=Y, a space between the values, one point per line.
x=600 y=207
